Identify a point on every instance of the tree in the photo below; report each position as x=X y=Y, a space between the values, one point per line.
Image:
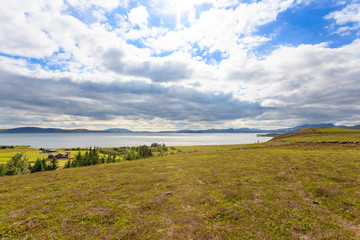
x=131 y=154
x=45 y=165
x=68 y=164
x=18 y=164
x=144 y=151
x=38 y=166
x=54 y=164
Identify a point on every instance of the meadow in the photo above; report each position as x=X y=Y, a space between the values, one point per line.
x=298 y=186
x=33 y=153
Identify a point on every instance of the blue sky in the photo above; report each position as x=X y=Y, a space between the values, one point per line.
x=175 y=64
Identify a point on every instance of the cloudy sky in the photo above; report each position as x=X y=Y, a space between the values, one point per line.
x=179 y=64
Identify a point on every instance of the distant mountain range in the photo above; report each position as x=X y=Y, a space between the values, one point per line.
x=122 y=130
x=44 y=130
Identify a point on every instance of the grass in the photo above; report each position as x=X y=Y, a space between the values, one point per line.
x=283 y=189
x=323 y=135
x=34 y=153
x=31 y=153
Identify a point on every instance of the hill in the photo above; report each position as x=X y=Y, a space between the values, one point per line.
x=123 y=130
x=321 y=135
x=118 y=130
x=43 y=130
x=283 y=189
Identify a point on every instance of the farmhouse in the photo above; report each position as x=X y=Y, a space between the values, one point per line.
x=59 y=155
x=49 y=151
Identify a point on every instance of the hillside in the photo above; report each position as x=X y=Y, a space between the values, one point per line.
x=321 y=135
x=43 y=130
x=300 y=186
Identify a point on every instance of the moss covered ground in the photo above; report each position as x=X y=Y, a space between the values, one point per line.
x=301 y=186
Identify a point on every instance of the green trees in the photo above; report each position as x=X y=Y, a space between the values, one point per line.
x=38 y=166
x=138 y=152
x=91 y=157
x=144 y=151
x=18 y=164
x=159 y=147
x=131 y=154
x=42 y=165
x=54 y=164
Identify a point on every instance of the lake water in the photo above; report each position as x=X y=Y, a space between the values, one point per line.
x=72 y=140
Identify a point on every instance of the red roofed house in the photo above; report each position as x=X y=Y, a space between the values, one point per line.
x=59 y=155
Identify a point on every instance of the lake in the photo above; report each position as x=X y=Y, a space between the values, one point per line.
x=72 y=140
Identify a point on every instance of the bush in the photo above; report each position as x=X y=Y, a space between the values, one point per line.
x=131 y=154
x=157 y=147
x=18 y=164
x=144 y=151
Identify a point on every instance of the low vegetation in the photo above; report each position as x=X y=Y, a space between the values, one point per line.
x=300 y=186
x=83 y=157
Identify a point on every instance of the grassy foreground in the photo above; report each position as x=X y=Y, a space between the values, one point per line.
x=301 y=186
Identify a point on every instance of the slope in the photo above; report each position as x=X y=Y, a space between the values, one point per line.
x=260 y=191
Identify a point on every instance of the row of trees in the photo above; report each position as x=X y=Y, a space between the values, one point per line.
x=91 y=157
x=19 y=164
x=138 y=152
x=6 y=147
x=43 y=165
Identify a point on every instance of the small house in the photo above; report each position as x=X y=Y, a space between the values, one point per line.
x=49 y=151
x=59 y=155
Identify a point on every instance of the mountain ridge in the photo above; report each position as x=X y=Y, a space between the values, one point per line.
x=123 y=130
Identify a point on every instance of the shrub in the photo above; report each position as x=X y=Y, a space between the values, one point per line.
x=18 y=164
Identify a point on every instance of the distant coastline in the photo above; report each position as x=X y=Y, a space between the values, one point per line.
x=122 y=130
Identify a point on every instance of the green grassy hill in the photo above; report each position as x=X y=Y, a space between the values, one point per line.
x=300 y=186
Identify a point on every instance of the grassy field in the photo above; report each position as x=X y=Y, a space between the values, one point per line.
x=302 y=186
x=32 y=154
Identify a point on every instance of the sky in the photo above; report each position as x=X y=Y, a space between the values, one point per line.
x=179 y=64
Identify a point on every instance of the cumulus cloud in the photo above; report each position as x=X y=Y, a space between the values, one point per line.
x=310 y=81
x=221 y=28
x=138 y=16
x=21 y=33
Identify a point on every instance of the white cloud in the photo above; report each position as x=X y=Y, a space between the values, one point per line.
x=105 y=4
x=18 y=33
x=348 y=15
x=138 y=16
x=221 y=29
x=308 y=81
x=99 y=15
